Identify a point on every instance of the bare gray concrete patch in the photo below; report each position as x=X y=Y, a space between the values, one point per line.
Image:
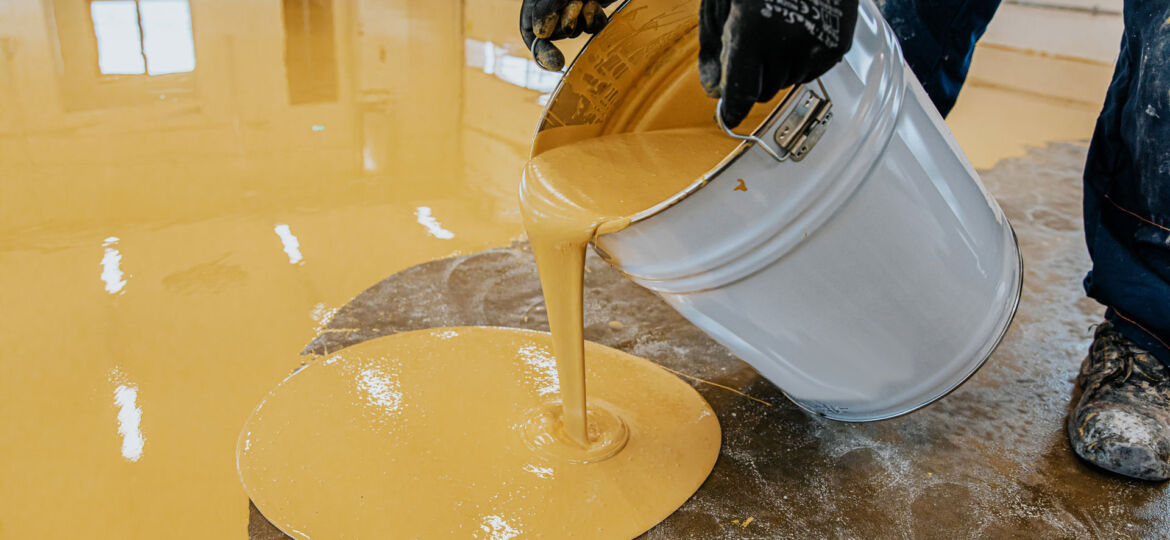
x=988 y=461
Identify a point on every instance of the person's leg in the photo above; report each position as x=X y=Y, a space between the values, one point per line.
x=1121 y=420
x=938 y=38
x=1127 y=184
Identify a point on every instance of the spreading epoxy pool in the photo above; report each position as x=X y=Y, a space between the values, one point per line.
x=446 y=433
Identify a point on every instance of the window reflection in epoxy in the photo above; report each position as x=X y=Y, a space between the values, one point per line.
x=424 y=218
x=497 y=528
x=115 y=25
x=541 y=369
x=129 y=416
x=292 y=247
x=520 y=71
x=112 y=274
x=540 y=472
x=168 y=43
x=145 y=37
x=382 y=389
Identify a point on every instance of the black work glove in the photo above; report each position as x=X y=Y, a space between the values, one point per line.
x=543 y=21
x=750 y=49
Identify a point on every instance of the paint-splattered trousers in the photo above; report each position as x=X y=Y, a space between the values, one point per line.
x=1127 y=174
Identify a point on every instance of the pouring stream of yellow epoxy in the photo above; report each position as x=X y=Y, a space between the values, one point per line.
x=479 y=431
x=572 y=193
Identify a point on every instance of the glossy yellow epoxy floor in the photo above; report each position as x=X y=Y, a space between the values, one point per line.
x=169 y=243
x=187 y=189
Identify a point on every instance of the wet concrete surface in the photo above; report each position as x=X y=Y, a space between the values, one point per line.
x=988 y=461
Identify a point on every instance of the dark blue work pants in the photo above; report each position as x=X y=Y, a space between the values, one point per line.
x=1127 y=175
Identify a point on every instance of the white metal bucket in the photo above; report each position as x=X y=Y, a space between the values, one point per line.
x=866 y=279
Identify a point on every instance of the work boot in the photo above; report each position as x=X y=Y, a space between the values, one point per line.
x=1121 y=422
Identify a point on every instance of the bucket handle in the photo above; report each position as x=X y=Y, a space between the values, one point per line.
x=804 y=120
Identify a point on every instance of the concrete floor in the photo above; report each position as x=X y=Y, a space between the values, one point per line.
x=989 y=461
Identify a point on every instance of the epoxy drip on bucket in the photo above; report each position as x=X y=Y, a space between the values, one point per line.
x=572 y=193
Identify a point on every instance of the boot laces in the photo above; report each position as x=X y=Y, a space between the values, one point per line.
x=1128 y=362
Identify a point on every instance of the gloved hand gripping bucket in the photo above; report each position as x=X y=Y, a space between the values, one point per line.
x=865 y=271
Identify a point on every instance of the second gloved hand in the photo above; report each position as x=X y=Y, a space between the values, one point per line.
x=543 y=21
x=750 y=49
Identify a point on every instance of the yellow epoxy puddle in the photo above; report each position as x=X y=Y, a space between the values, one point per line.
x=428 y=434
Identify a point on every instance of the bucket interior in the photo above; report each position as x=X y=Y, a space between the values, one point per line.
x=638 y=74
x=641 y=74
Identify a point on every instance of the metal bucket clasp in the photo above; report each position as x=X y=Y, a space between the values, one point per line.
x=803 y=121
